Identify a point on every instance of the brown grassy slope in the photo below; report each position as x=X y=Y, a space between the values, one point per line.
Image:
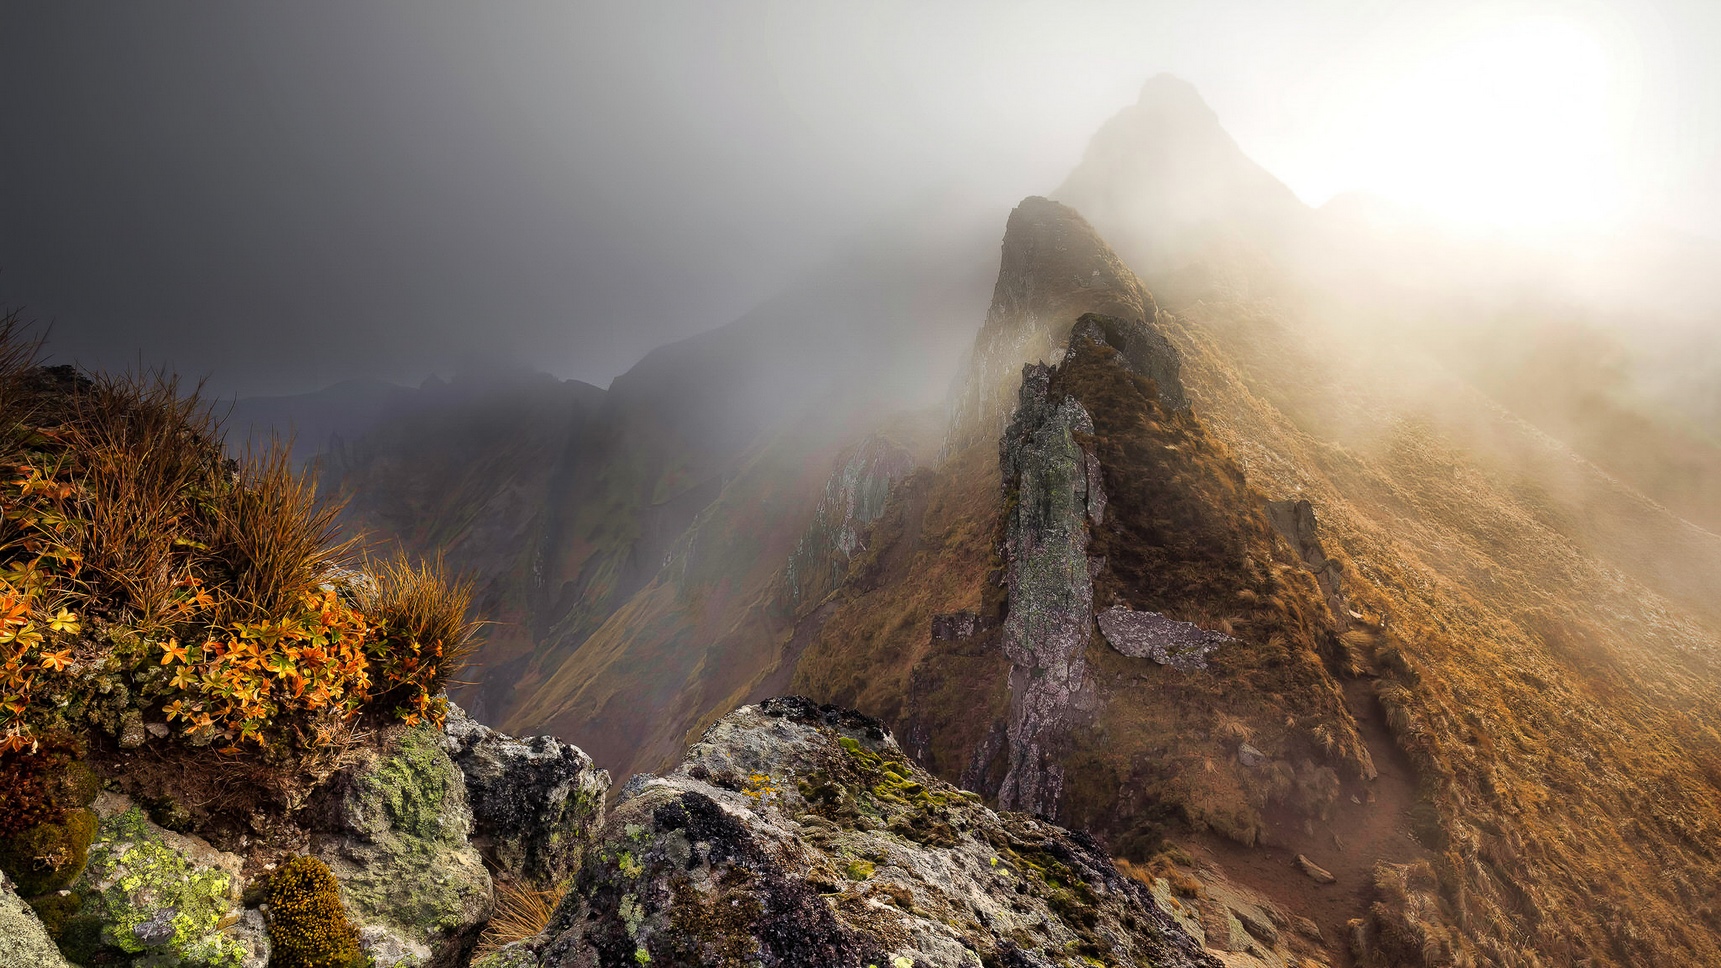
x=869 y=645
x=1557 y=680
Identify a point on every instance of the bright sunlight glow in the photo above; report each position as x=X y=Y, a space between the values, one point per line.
x=1510 y=127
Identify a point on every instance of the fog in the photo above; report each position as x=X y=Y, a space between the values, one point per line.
x=280 y=197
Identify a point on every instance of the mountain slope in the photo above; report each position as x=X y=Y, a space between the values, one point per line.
x=1545 y=636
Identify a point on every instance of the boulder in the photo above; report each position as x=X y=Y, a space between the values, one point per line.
x=1319 y=874
x=1150 y=635
x=798 y=834
x=535 y=802
x=24 y=942
x=398 y=844
x=170 y=898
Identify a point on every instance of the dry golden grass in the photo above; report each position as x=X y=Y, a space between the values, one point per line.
x=422 y=617
x=271 y=536
x=1547 y=658
x=522 y=912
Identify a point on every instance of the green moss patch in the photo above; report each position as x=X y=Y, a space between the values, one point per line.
x=148 y=897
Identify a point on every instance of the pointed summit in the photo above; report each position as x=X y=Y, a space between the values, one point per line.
x=1168 y=185
x=1054 y=268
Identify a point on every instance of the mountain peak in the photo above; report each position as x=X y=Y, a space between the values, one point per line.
x=1170 y=94
x=1167 y=184
x=1053 y=268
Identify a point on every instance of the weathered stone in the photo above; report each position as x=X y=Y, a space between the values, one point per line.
x=150 y=890
x=1320 y=874
x=132 y=734
x=251 y=931
x=954 y=626
x=1046 y=629
x=1251 y=757
x=1144 y=351
x=714 y=863
x=1308 y=929
x=1256 y=925
x=399 y=848
x=535 y=801
x=1149 y=635
x=24 y=942
x=517 y=955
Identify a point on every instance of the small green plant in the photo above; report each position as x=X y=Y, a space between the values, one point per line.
x=307 y=926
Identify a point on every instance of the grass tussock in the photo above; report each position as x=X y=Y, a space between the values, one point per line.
x=522 y=913
x=420 y=615
x=142 y=571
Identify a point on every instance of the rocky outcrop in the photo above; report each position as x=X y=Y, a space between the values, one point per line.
x=1142 y=350
x=535 y=801
x=24 y=942
x=152 y=896
x=800 y=835
x=854 y=497
x=1149 y=635
x=1295 y=521
x=399 y=846
x=1053 y=269
x=1049 y=496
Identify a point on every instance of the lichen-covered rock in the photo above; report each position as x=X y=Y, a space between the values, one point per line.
x=1048 y=493
x=517 y=955
x=800 y=835
x=1184 y=646
x=24 y=942
x=399 y=848
x=535 y=801
x=151 y=896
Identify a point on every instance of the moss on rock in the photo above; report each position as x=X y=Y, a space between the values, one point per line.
x=308 y=928
x=49 y=856
x=141 y=894
x=403 y=860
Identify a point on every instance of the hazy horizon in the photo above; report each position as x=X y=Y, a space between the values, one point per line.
x=283 y=198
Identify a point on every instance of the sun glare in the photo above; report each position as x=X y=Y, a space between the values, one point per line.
x=1511 y=127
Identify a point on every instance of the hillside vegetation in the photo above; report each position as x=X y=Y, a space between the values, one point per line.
x=148 y=581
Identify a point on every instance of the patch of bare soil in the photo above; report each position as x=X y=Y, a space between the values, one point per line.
x=1371 y=823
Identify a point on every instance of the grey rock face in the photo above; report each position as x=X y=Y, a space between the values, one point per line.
x=24 y=942
x=1150 y=635
x=1049 y=496
x=535 y=801
x=854 y=497
x=400 y=851
x=1295 y=521
x=800 y=835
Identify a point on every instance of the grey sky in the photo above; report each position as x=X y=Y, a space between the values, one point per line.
x=285 y=195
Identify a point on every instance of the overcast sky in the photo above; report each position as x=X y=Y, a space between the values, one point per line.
x=284 y=195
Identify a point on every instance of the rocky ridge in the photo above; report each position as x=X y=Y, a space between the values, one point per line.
x=800 y=835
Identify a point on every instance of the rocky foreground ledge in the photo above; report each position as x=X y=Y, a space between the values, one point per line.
x=800 y=835
x=793 y=835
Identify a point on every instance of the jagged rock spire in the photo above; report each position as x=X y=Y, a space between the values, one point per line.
x=1054 y=268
